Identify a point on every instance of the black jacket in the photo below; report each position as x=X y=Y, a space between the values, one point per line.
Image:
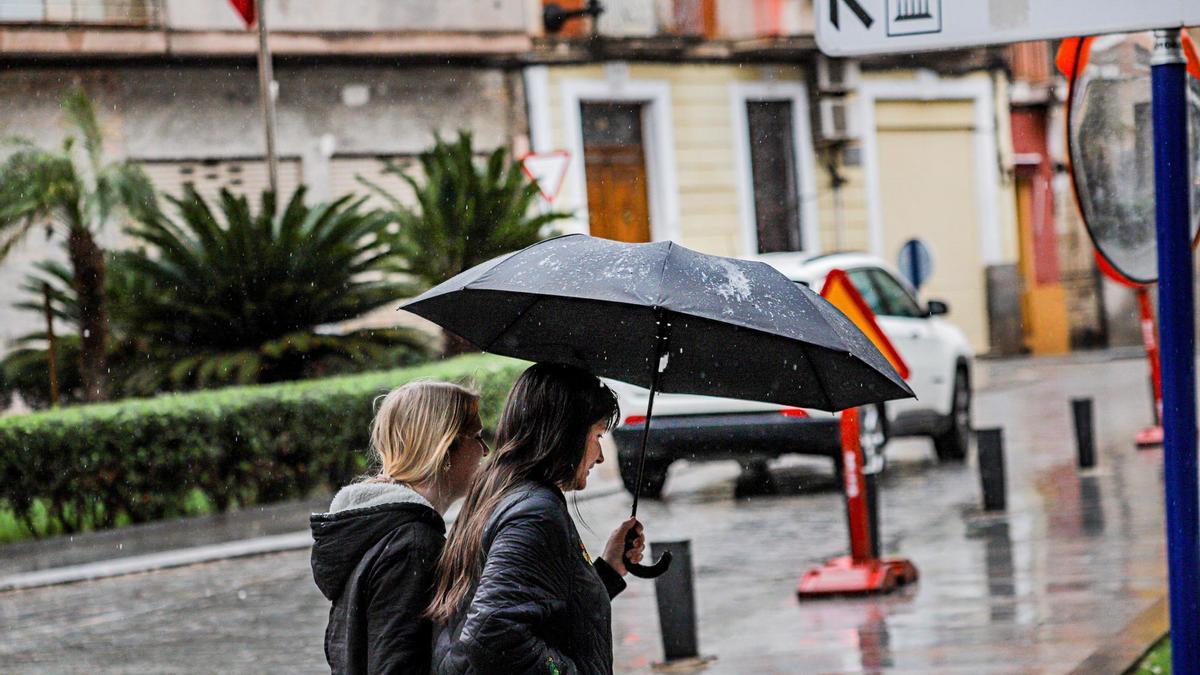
x=541 y=605
x=373 y=555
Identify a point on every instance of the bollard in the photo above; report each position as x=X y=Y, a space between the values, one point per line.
x=872 y=485
x=991 y=468
x=676 y=602
x=1085 y=439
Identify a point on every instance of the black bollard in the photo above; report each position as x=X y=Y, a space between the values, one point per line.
x=1085 y=439
x=676 y=602
x=872 y=481
x=991 y=468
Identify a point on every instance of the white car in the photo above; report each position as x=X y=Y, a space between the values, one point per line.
x=700 y=428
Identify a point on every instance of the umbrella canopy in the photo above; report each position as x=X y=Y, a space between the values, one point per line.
x=717 y=326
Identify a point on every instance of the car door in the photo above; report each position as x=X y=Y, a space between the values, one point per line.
x=908 y=325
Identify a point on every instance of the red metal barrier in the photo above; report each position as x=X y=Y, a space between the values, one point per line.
x=860 y=572
x=1151 y=436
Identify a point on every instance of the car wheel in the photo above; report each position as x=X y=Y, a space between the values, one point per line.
x=653 y=480
x=951 y=445
x=755 y=479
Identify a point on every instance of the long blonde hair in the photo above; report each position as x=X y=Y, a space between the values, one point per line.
x=414 y=427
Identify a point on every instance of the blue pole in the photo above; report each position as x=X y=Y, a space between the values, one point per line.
x=1177 y=321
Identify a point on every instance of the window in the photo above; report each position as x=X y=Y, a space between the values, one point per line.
x=897 y=301
x=773 y=168
x=862 y=281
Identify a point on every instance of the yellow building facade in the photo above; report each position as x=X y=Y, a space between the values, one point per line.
x=930 y=158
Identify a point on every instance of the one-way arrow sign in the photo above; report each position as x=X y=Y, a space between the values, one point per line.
x=906 y=26
x=854 y=7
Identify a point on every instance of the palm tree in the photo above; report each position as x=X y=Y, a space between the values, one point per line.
x=466 y=212
x=226 y=296
x=73 y=194
x=242 y=297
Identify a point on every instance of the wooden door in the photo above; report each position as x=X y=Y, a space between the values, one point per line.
x=615 y=166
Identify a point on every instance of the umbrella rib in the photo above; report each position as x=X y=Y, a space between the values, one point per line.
x=510 y=324
x=804 y=347
x=662 y=274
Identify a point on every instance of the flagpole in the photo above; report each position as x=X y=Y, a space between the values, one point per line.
x=266 y=79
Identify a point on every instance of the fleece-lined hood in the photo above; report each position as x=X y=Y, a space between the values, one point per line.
x=359 y=516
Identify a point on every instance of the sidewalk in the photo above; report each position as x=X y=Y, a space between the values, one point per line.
x=255 y=530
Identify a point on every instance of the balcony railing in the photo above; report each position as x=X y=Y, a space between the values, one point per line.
x=141 y=13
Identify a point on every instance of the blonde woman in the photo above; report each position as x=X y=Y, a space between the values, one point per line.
x=375 y=551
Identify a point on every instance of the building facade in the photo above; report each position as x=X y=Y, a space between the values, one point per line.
x=715 y=123
x=175 y=86
x=719 y=125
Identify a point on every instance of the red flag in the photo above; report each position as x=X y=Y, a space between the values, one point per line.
x=245 y=9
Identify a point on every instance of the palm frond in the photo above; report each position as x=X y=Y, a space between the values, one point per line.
x=81 y=114
x=464 y=211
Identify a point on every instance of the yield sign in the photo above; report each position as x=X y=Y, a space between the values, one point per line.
x=548 y=170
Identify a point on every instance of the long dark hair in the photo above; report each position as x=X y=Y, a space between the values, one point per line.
x=542 y=436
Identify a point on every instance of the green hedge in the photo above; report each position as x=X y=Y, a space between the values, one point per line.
x=140 y=460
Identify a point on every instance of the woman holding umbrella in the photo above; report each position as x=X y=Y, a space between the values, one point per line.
x=517 y=591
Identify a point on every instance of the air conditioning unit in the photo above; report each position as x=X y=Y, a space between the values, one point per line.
x=838 y=119
x=836 y=76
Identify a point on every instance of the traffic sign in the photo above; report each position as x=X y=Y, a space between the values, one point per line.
x=859 y=27
x=915 y=261
x=548 y=170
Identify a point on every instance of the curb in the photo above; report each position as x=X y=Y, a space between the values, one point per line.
x=150 y=562
x=156 y=561
x=1122 y=653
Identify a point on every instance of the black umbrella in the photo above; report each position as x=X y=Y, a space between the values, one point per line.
x=714 y=326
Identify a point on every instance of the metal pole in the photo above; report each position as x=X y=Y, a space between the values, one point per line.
x=266 y=81
x=676 y=597
x=660 y=349
x=990 y=444
x=854 y=485
x=1085 y=437
x=872 y=485
x=1150 y=341
x=1177 y=323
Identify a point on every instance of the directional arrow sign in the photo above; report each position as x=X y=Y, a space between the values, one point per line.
x=854 y=7
x=902 y=26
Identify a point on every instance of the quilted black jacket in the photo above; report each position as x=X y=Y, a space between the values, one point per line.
x=541 y=605
x=376 y=564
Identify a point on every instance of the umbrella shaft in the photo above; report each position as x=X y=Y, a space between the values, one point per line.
x=660 y=349
x=645 y=436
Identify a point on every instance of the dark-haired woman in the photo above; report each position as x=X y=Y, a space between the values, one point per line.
x=517 y=591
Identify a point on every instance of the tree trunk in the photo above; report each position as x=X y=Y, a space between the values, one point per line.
x=87 y=261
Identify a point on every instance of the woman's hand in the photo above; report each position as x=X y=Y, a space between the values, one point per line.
x=626 y=539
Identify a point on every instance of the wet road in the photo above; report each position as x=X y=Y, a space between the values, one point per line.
x=1077 y=556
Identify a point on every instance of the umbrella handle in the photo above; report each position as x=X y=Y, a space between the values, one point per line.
x=657 y=569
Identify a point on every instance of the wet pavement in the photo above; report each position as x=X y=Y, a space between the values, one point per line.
x=1078 y=555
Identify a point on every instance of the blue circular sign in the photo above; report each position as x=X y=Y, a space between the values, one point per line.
x=915 y=262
